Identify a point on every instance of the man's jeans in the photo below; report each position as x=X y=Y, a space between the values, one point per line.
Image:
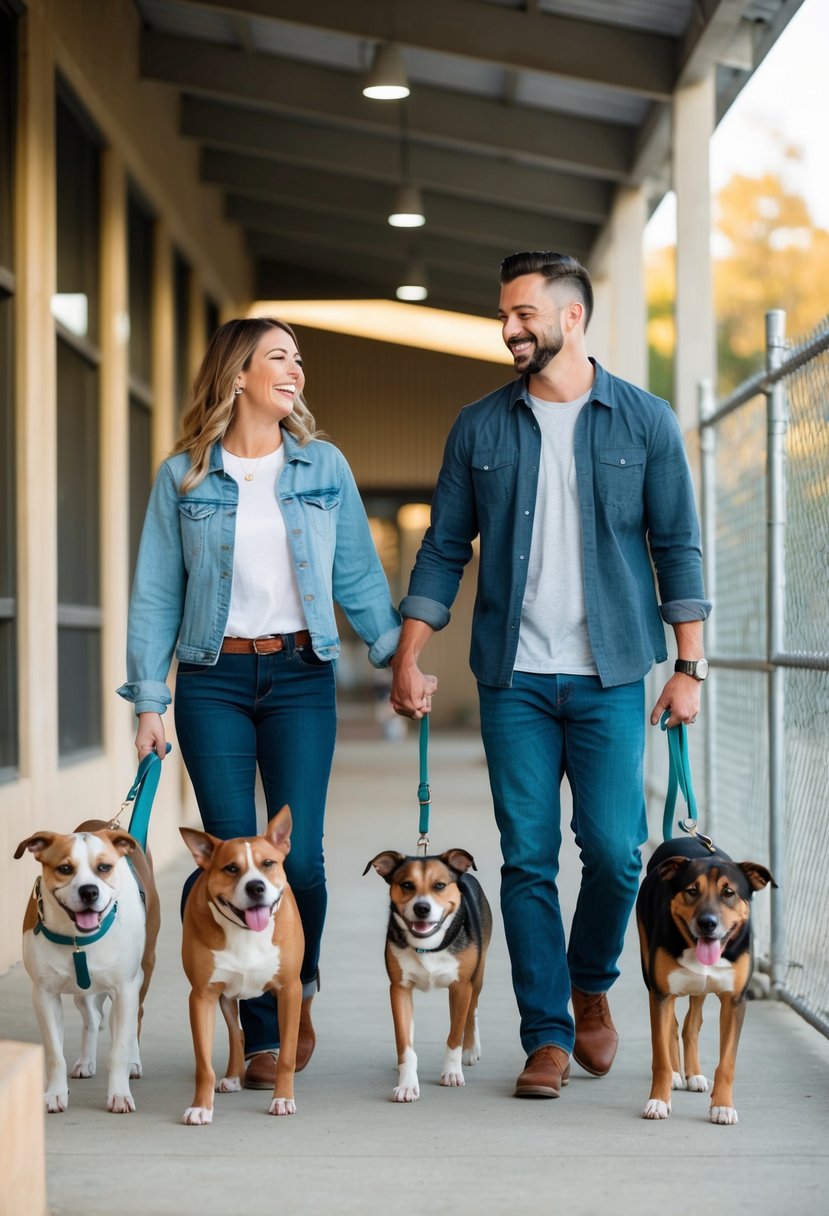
x=277 y=711
x=544 y=728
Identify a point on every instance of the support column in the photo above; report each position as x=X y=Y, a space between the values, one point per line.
x=629 y=357
x=694 y=113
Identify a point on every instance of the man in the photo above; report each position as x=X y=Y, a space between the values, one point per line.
x=578 y=485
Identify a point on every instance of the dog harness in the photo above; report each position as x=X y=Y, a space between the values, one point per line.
x=82 y=975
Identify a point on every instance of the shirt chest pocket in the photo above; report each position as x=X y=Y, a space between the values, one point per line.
x=320 y=509
x=493 y=474
x=620 y=476
x=194 y=518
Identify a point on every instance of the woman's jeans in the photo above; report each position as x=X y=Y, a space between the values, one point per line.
x=544 y=728
x=277 y=711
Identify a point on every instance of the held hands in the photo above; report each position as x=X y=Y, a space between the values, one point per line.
x=150 y=736
x=412 y=691
x=681 y=695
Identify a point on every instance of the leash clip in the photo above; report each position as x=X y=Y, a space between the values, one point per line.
x=423 y=843
x=689 y=826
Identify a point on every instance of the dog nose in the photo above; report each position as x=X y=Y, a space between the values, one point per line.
x=707 y=925
x=421 y=911
x=88 y=893
x=255 y=888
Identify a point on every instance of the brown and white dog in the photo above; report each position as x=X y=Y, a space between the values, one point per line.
x=440 y=925
x=90 y=929
x=694 y=932
x=241 y=936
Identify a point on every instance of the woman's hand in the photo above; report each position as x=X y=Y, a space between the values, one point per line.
x=150 y=736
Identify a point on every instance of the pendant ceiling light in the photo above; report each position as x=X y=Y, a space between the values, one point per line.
x=414 y=284
x=387 y=80
x=408 y=209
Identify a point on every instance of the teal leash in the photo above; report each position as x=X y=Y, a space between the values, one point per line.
x=679 y=781
x=424 y=791
x=141 y=795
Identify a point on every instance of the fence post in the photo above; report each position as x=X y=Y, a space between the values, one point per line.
x=777 y=414
x=708 y=510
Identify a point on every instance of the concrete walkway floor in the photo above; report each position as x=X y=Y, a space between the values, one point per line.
x=349 y=1149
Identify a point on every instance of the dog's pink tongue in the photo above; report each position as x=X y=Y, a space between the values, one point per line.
x=708 y=951
x=86 y=921
x=257 y=918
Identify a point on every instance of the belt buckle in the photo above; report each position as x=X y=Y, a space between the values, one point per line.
x=266 y=637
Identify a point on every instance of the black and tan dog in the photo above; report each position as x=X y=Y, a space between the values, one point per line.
x=695 y=937
x=440 y=924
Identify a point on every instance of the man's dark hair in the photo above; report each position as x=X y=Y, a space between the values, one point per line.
x=556 y=268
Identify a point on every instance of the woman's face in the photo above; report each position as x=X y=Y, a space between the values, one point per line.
x=274 y=376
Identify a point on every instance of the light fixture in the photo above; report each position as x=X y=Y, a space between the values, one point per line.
x=387 y=79
x=414 y=285
x=408 y=208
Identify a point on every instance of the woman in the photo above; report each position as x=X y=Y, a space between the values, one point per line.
x=253 y=530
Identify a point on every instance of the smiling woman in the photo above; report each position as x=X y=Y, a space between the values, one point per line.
x=254 y=530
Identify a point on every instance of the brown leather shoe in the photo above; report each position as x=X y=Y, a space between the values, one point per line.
x=306 y=1040
x=261 y=1070
x=547 y=1070
x=596 y=1037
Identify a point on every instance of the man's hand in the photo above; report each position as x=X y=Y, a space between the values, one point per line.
x=682 y=696
x=412 y=691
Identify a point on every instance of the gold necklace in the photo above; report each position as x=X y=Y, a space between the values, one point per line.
x=248 y=476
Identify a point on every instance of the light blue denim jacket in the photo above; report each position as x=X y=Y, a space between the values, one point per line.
x=181 y=592
x=638 y=516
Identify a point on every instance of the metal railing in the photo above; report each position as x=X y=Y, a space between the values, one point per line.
x=765 y=518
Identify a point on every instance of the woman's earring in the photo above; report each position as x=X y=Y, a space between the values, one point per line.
x=238 y=389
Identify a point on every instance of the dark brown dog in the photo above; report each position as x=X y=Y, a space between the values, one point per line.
x=695 y=937
x=439 y=929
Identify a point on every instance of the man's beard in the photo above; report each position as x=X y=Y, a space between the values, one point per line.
x=541 y=356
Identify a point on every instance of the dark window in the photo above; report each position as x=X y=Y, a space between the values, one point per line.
x=181 y=291
x=76 y=309
x=140 y=230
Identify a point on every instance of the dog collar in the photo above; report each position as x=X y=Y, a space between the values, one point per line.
x=60 y=939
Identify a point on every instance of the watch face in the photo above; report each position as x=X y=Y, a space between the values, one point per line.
x=702 y=668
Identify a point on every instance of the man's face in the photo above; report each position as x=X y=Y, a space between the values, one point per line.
x=530 y=315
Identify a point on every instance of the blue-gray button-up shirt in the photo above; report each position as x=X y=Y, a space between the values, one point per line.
x=638 y=517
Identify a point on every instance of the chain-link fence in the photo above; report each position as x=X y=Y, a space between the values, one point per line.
x=762 y=760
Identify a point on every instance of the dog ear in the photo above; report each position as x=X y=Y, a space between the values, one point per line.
x=757 y=875
x=670 y=867
x=200 y=844
x=385 y=863
x=35 y=844
x=459 y=859
x=122 y=841
x=278 y=831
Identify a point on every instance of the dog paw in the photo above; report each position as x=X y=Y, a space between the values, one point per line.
x=656 y=1109
x=282 y=1106
x=452 y=1079
x=197 y=1116
x=698 y=1084
x=472 y=1055
x=229 y=1085
x=677 y=1081
x=120 y=1104
x=406 y=1093
x=82 y=1068
x=136 y=1071
x=723 y=1114
x=56 y=1104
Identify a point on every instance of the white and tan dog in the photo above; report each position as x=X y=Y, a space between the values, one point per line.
x=241 y=936
x=90 y=929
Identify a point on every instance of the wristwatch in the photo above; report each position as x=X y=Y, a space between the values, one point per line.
x=698 y=668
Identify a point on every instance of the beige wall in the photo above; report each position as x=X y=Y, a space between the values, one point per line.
x=95 y=48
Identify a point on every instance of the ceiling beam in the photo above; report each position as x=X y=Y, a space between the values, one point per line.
x=329 y=195
x=270 y=82
x=637 y=61
x=465 y=175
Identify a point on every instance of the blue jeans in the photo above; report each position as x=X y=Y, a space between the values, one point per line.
x=277 y=711
x=544 y=728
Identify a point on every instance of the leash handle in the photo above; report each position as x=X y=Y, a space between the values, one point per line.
x=141 y=795
x=424 y=791
x=679 y=779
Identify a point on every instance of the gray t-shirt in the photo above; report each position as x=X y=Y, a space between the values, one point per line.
x=553 y=636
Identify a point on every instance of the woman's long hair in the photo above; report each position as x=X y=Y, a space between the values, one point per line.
x=210 y=411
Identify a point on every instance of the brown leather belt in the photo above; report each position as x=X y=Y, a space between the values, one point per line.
x=269 y=644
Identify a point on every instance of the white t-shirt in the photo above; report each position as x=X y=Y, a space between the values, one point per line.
x=553 y=636
x=264 y=597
